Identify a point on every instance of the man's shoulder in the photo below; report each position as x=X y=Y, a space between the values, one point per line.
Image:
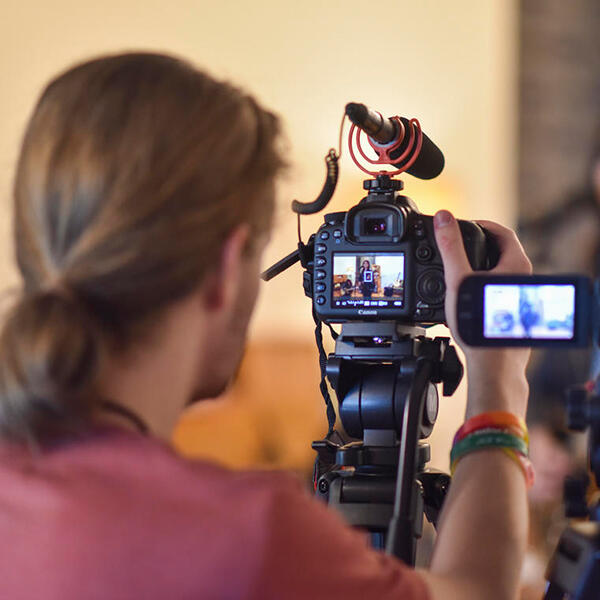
x=127 y=461
x=120 y=495
x=115 y=479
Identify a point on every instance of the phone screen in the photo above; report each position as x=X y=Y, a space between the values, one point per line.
x=524 y=311
x=557 y=311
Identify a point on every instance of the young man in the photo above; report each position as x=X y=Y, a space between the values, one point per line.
x=140 y=221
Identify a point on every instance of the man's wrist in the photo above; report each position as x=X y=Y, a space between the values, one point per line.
x=497 y=386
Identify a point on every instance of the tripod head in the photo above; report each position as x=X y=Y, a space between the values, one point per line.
x=383 y=374
x=366 y=405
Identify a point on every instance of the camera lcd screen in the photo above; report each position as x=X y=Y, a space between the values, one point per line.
x=537 y=312
x=375 y=279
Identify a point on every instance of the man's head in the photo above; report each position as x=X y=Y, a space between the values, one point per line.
x=140 y=180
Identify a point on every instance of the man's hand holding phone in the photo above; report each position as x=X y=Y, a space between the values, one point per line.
x=496 y=378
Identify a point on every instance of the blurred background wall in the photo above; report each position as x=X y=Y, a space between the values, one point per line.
x=451 y=64
x=559 y=213
x=559 y=94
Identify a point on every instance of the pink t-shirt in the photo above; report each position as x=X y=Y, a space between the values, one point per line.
x=117 y=515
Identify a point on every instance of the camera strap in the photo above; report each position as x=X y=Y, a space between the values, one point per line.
x=331 y=417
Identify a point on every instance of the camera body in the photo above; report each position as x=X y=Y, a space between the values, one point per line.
x=380 y=262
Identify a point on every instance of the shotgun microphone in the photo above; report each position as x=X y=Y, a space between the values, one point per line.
x=385 y=132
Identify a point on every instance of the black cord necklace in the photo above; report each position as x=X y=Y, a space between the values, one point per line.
x=118 y=409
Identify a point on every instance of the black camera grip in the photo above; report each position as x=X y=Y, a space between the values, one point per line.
x=481 y=246
x=492 y=249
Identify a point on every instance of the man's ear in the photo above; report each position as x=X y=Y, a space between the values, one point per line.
x=223 y=281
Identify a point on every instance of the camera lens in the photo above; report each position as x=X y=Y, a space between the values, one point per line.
x=375 y=226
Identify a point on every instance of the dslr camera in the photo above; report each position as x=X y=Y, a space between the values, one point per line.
x=380 y=261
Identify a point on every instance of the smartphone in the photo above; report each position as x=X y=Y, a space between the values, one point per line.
x=526 y=310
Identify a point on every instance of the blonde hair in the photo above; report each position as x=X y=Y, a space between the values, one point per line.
x=133 y=170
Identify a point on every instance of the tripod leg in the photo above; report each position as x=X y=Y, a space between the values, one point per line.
x=401 y=540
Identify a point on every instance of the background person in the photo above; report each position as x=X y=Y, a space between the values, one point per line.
x=565 y=240
x=347 y=288
x=140 y=221
x=527 y=313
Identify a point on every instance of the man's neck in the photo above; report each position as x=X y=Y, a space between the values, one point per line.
x=155 y=382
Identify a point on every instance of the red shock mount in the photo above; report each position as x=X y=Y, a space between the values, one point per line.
x=383 y=151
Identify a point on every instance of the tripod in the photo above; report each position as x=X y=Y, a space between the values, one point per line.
x=574 y=570
x=383 y=374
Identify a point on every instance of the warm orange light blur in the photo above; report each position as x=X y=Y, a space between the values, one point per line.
x=450 y=64
x=268 y=419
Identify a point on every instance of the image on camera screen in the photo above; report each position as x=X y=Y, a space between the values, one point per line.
x=375 y=279
x=529 y=311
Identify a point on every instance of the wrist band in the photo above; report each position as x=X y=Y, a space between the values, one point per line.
x=516 y=431
x=479 y=441
x=522 y=461
x=497 y=429
x=497 y=419
x=524 y=464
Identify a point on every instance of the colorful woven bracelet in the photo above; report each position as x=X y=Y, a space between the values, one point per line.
x=483 y=440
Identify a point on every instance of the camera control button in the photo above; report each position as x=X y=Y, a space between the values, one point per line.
x=320 y=300
x=337 y=233
x=419 y=228
x=320 y=274
x=319 y=287
x=324 y=235
x=423 y=313
x=424 y=253
x=320 y=261
x=431 y=286
x=320 y=248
